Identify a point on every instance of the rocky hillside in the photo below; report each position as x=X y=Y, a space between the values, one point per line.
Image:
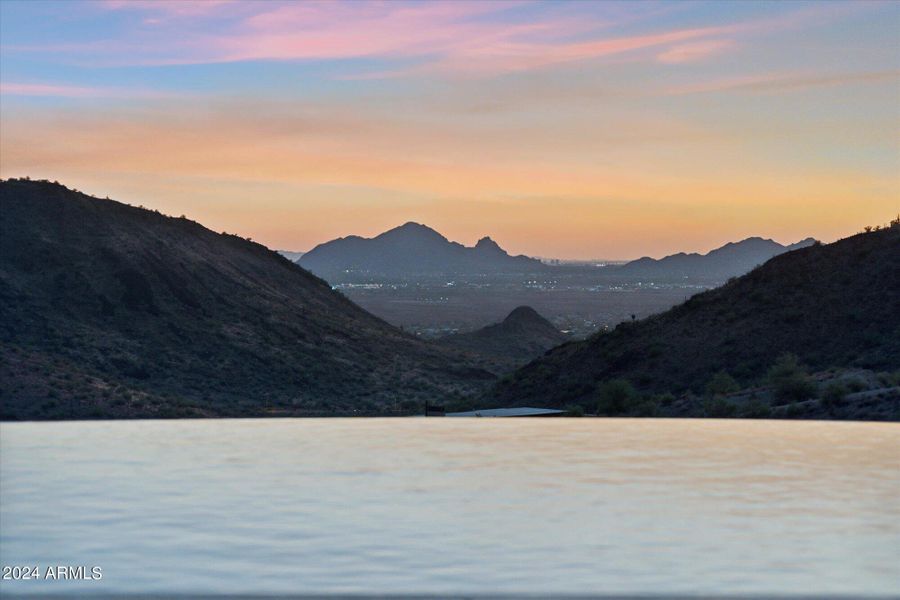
x=522 y=336
x=108 y=310
x=832 y=306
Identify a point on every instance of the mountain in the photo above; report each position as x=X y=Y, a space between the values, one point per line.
x=835 y=305
x=731 y=260
x=520 y=337
x=291 y=256
x=108 y=310
x=410 y=250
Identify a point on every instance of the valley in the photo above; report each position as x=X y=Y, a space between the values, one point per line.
x=435 y=309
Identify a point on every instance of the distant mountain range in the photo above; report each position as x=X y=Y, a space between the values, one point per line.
x=412 y=250
x=833 y=306
x=520 y=337
x=107 y=310
x=732 y=259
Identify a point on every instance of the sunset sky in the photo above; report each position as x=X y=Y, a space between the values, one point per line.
x=571 y=130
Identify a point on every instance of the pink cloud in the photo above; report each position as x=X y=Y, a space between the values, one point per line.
x=447 y=35
x=451 y=41
x=340 y=30
x=506 y=57
x=71 y=91
x=175 y=8
x=694 y=51
x=457 y=38
x=42 y=89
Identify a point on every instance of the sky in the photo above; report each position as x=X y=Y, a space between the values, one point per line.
x=561 y=129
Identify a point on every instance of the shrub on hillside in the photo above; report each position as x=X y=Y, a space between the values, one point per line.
x=856 y=385
x=756 y=408
x=834 y=395
x=667 y=399
x=615 y=397
x=722 y=384
x=574 y=410
x=789 y=380
x=719 y=407
x=889 y=379
x=646 y=406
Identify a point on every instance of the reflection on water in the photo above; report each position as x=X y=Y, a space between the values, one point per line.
x=455 y=505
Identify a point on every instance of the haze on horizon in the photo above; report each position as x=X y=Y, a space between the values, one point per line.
x=568 y=130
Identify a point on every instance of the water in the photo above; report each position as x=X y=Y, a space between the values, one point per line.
x=544 y=506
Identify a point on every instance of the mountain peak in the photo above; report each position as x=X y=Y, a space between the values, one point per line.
x=753 y=241
x=412 y=249
x=803 y=243
x=411 y=231
x=522 y=314
x=521 y=336
x=487 y=244
x=412 y=226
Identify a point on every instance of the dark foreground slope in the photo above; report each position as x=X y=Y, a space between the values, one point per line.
x=520 y=337
x=111 y=310
x=835 y=305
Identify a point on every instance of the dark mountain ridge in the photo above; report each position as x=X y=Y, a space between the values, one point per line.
x=835 y=305
x=410 y=250
x=730 y=260
x=520 y=337
x=116 y=311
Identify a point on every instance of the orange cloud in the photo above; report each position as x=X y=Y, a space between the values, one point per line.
x=782 y=82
